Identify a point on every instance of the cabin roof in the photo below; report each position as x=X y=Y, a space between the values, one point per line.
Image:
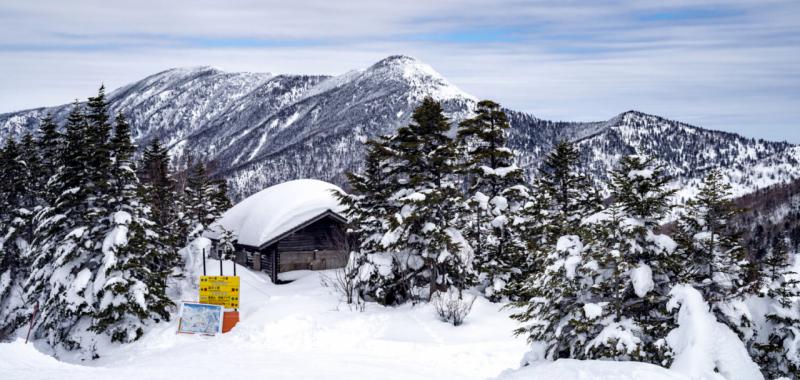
x=273 y=213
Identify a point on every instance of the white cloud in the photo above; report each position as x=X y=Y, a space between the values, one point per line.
x=726 y=65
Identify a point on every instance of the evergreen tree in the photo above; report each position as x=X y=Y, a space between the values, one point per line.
x=35 y=187
x=778 y=351
x=374 y=273
x=432 y=207
x=123 y=183
x=50 y=148
x=158 y=192
x=496 y=196
x=409 y=214
x=14 y=228
x=95 y=273
x=557 y=288
x=156 y=177
x=571 y=195
x=133 y=284
x=552 y=303
x=65 y=249
x=134 y=292
x=714 y=262
x=97 y=136
x=626 y=271
x=205 y=200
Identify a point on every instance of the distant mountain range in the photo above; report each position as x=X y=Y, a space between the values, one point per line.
x=264 y=129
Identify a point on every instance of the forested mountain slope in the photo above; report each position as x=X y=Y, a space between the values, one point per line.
x=262 y=128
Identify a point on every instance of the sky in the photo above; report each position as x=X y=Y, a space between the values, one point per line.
x=729 y=65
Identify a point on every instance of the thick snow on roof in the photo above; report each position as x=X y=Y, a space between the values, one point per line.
x=275 y=210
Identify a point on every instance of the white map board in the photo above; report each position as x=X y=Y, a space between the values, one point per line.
x=198 y=318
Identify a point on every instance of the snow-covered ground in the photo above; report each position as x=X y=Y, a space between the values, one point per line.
x=300 y=331
x=567 y=369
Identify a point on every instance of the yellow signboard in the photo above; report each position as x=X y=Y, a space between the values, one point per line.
x=220 y=290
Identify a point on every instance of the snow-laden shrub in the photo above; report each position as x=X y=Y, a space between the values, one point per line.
x=452 y=306
x=705 y=348
x=344 y=283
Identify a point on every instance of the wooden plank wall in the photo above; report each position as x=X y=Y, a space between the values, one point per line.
x=320 y=245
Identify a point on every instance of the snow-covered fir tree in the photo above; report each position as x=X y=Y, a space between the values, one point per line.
x=204 y=200
x=555 y=291
x=410 y=213
x=84 y=277
x=571 y=195
x=65 y=254
x=777 y=351
x=16 y=210
x=25 y=174
x=712 y=259
x=432 y=208
x=496 y=196
x=375 y=273
x=49 y=144
x=130 y=286
x=159 y=193
x=631 y=266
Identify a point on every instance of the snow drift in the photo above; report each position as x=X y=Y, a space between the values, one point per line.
x=705 y=348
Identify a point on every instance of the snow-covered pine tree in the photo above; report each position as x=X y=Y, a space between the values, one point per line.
x=496 y=195
x=97 y=137
x=15 y=218
x=158 y=192
x=49 y=144
x=778 y=351
x=123 y=183
x=36 y=187
x=40 y=159
x=713 y=260
x=204 y=200
x=133 y=294
x=571 y=194
x=78 y=267
x=632 y=268
x=66 y=253
x=130 y=288
x=432 y=207
x=552 y=299
x=552 y=304
x=371 y=269
x=156 y=178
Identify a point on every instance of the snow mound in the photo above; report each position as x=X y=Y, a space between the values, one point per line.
x=569 y=369
x=299 y=330
x=20 y=361
x=275 y=210
x=706 y=349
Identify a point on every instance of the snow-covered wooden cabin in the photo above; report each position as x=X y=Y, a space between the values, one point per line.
x=290 y=226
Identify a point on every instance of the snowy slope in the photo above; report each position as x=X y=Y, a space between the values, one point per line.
x=264 y=129
x=300 y=331
x=568 y=369
x=689 y=152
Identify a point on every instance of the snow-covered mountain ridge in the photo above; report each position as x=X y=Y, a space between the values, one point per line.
x=263 y=128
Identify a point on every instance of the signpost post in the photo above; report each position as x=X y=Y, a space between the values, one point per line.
x=33 y=319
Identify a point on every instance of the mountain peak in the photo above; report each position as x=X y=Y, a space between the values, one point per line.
x=424 y=79
x=191 y=70
x=396 y=59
